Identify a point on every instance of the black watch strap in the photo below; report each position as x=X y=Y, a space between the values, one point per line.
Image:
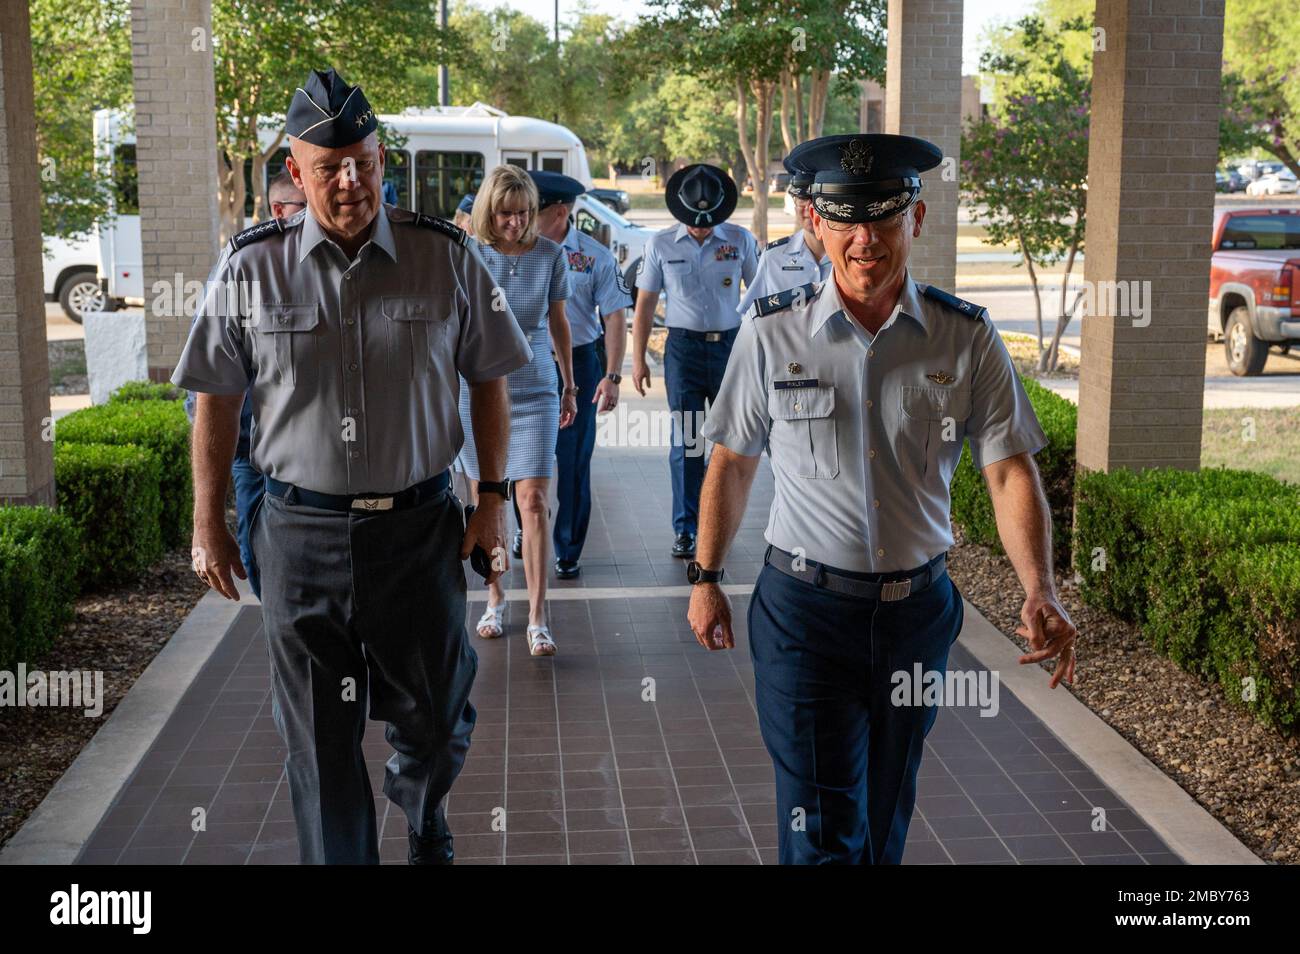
x=501 y=487
x=615 y=378
x=697 y=574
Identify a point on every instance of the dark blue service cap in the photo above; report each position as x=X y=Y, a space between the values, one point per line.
x=866 y=176
x=801 y=179
x=466 y=204
x=326 y=111
x=553 y=187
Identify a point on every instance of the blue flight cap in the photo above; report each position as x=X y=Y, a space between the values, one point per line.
x=553 y=187
x=326 y=111
x=866 y=176
x=466 y=204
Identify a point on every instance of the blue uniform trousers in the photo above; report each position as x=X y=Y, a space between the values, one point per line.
x=693 y=370
x=846 y=758
x=573 y=449
x=249 y=487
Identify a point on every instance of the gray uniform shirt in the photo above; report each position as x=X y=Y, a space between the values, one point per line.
x=353 y=364
x=785 y=263
x=864 y=432
x=702 y=280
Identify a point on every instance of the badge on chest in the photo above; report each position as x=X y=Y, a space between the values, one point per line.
x=726 y=253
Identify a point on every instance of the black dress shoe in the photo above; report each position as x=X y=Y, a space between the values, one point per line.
x=684 y=545
x=567 y=569
x=518 y=548
x=434 y=846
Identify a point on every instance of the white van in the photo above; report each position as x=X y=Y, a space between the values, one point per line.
x=445 y=154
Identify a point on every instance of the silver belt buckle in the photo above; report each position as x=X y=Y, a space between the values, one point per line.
x=895 y=590
x=713 y=336
x=372 y=503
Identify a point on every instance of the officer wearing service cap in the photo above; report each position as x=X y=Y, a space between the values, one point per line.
x=596 y=308
x=794 y=259
x=365 y=318
x=862 y=390
x=700 y=263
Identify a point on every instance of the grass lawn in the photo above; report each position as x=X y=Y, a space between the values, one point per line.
x=1274 y=451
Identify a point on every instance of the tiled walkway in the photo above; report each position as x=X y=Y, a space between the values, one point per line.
x=582 y=767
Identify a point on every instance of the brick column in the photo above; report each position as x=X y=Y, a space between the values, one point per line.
x=1153 y=146
x=923 y=98
x=26 y=463
x=176 y=157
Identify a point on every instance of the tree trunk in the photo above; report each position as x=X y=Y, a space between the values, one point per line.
x=786 y=137
x=261 y=200
x=230 y=197
x=764 y=95
x=1062 y=319
x=1038 y=301
x=818 y=86
x=797 y=88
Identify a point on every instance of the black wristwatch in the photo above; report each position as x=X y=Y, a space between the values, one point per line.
x=501 y=487
x=697 y=574
x=614 y=378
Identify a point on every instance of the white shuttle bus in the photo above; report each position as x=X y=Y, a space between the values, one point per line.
x=445 y=155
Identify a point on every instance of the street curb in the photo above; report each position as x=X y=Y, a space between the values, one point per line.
x=1188 y=829
x=67 y=817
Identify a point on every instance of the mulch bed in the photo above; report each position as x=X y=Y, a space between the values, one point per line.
x=1244 y=774
x=117 y=631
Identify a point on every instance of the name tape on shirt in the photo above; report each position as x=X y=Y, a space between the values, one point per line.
x=801 y=383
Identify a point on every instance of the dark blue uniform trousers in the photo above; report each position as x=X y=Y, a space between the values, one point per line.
x=365 y=609
x=573 y=449
x=693 y=370
x=846 y=758
x=249 y=487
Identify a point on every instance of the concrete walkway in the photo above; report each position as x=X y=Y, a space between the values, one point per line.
x=577 y=761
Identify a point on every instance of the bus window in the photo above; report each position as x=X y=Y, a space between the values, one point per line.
x=126 y=184
x=442 y=179
x=553 y=164
x=397 y=172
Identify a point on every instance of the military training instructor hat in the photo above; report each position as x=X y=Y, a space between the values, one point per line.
x=866 y=176
x=327 y=112
x=701 y=195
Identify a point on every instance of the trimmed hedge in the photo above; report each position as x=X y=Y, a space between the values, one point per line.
x=971 y=504
x=1201 y=561
x=111 y=493
x=160 y=426
x=40 y=552
x=147 y=391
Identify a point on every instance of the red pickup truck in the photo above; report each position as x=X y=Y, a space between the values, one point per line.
x=1255 y=284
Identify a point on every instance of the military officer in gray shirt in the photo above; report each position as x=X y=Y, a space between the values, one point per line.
x=862 y=389
x=353 y=324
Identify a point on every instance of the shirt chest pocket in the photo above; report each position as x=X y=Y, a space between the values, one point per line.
x=289 y=334
x=804 y=439
x=680 y=278
x=931 y=428
x=416 y=329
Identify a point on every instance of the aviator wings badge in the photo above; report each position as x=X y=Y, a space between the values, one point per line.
x=941 y=377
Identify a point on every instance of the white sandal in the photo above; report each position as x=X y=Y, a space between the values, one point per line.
x=490 y=622
x=540 y=642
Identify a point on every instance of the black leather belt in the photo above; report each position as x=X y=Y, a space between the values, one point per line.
x=412 y=496
x=701 y=335
x=890 y=586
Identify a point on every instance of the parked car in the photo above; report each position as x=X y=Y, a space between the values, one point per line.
x=71 y=276
x=1255 y=284
x=1229 y=181
x=779 y=182
x=1274 y=183
x=616 y=199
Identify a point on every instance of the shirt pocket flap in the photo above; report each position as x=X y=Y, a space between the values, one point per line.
x=801 y=404
x=922 y=403
x=288 y=316
x=430 y=307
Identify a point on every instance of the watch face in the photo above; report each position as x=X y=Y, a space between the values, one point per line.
x=692 y=572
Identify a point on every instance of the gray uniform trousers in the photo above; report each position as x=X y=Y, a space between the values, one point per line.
x=377 y=598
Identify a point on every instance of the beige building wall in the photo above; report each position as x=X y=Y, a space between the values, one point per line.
x=1153 y=146
x=176 y=157
x=26 y=459
x=923 y=98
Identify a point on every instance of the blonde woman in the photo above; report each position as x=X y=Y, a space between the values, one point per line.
x=533 y=276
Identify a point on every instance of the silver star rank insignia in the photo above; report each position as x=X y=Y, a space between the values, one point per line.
x=941 y=377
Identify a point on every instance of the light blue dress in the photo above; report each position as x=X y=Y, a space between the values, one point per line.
x=530 y=282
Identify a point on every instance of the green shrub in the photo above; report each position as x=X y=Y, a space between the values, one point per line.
x=1258 y=637
x=147 y=391
x=159 y=426
x=39 y=556
x=111 y=494
x=973 y=509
